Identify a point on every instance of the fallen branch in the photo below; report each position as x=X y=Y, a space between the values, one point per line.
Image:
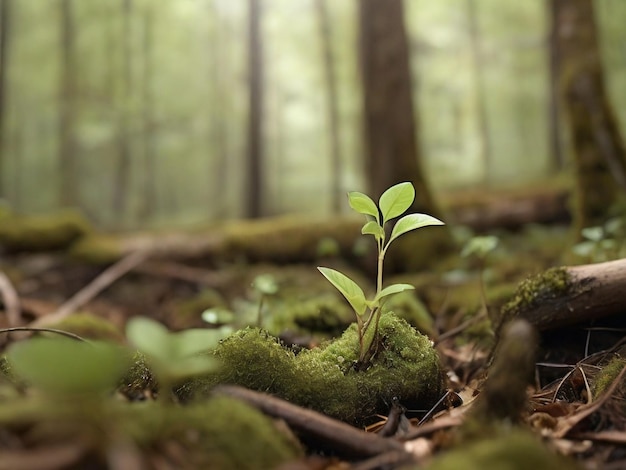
x=338 y=436
x=568 y=295
x=91 y=290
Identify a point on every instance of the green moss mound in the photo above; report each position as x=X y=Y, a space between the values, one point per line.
x=234 y=436
x=42 y=232
x=518 y=450
x=405 y=366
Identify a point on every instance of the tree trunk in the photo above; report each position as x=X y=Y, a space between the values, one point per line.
x=255 y=112
x=147 y=177
x=391 y=141
x=67 y=107
x=479 y=89
x=5 y=21
x=555 y=104
x=122 y=177
x=331 y=103
x=598 y=147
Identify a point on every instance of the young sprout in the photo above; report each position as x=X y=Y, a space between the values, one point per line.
x=173 y=356
x=393 y=203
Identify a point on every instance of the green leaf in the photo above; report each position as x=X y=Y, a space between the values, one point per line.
x=266 y=284
x=373 y=228
x=396 y=200
x=154 y=339
x=149 y=337
x=595 y=234
x=480 y=246
x=350 y=290
x=412 y=222
x=393 y=289
x=68 y=366
x=363 y=204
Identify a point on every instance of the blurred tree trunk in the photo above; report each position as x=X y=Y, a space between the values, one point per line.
x=255 y=111
x=598 y=147
x=147 y=176
x=330 y=79
x=122 y=174
x=479 y=89
x=5 y=21
x=391 y=141
x=557 y=154
x=218 y=74
x=67 y=107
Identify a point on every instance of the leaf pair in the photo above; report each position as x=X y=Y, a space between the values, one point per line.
x=176 y=355
x=393 y=202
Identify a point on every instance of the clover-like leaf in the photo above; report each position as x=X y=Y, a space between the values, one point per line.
x=595 y=234
x=412 y=222
x=68 y=366
x=348 y=288
x=396 y=200
x=175 y=355
x=393 y=289
x=363 y=204
x=480 y=246
x=373 y=228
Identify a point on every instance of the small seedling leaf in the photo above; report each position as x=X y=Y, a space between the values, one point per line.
x=363 y=204
x=595 y=234
x=348 y=288
x=372 y=228
x=480 y=246
x=393 y=289
x=412 y=222
x=68 y=366
x=149 y=337
x=396 y=200
x=266 y=284
x=197 y=340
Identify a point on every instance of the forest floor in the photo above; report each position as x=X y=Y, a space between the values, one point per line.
x=490 y=412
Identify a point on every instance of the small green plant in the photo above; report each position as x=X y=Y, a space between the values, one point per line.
x=174 y=356
x=479 y=247
x=393 y=203
x=602 y=243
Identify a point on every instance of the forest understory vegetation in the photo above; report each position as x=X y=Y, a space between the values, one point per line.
x=548 y=386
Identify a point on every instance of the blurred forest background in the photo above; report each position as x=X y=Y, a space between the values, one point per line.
x=167 y=113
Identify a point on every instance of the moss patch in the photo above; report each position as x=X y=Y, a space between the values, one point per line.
x=42 y=232
x=405 y=366
x=518 y=450
x=534 y=291
x=90 y=326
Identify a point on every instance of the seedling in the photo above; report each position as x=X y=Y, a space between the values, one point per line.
x=173 y=356
x=479 y=248
x=266 y=286
x=393 y=203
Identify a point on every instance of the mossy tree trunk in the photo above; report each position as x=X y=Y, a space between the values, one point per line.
x=597 y=144
x=390 y=124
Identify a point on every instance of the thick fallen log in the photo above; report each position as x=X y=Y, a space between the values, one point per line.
x=508 y=209
x=568 y=295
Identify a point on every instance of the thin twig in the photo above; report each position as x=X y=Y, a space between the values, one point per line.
x=10 y=299
x=43 y=330
x=91 y=290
